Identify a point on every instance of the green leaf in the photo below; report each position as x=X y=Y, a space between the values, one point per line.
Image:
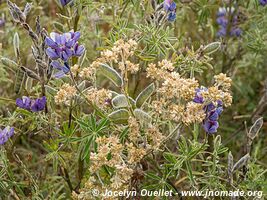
x=119 y=116
x=86 y=148
x=212 y=47
x=111 y=74
x=144 y=95
x=19 y=80
x=9 y=63
x=144 y=117
x=169 y=157
x=16 y=44
x=120 y=101
x=153 y=176
x=50 y=90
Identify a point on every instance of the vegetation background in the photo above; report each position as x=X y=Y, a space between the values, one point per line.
x=30 y=165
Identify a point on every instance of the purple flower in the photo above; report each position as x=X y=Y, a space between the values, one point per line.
x=24 y=102
x=221 y=12
x=170 y=7
x=64 y=46
x=213 y=116
x=31 y=104
x=236 y=32
x=64 y=2
x=198 y=97
x=263 y=2
x=62 y=69
x=210 y=126
x=2 y=23
x=38 y=104
x=221 y=32
x=6 y=134
x=223 y=21
x=172 y=16
x=78 y=50
x=212 y=110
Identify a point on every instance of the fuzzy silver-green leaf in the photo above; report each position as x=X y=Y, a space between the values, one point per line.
x=145 y=95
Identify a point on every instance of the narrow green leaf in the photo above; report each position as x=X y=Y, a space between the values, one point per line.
x=144 y=95
x=111 y=74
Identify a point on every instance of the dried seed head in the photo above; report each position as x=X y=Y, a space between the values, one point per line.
x=242 y=162
x=255 y=128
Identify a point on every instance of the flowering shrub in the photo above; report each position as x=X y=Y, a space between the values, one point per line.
x=116 y=96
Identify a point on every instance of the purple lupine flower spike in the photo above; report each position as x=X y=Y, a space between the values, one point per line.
x=24 y=102
x=38 y=104
x=31 y=104
x=78 y=50
x=2 y=22
x=198 y=97
x=210 y=126
x=170 y=7
x=6 y=134
x=263 y=2
x=62 y=69
x=212 y=110
x=64 y=2
x=223 y=21
x=62 y=47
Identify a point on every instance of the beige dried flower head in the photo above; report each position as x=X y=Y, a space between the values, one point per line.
x=134 y=127
x=158 y=106
x=227 y=99
x=155 y=73
x=154 y=136
x=135 y=154
x=65 y=94
x=75 y=69
x=99 y=97
x=176 y=87
x=87 y=73
x=124 y=49
x=175 y=112
x=109 y=56
x=194 y=113
x=166 y=65
x=122 y=177
x=106 y=146
x=222 y=81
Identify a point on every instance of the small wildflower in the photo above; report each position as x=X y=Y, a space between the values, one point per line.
x=2 y=22
x=99 y=97
x=24 y=103
x=64 y=45
x=135 y=154
x=223 y=81
x=263 y=2
x=5 y=134
x=166 y=65
x=34 y=105
x=75 y=69
x=223 y=21
x=38 y=104
x=212 y=110
x=62 y=69
x=170 y=7
x=65 y=2
x=65 y=94
x=211 y=126
x=87 y=72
